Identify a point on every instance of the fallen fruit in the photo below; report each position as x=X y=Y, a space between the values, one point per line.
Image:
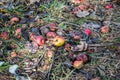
x=4 y=35
x=87 y=32
x=108 y=6
x=17 y=33
x=72 y=57
x=37 y=38
x=82 y=57
x=82 y=7
x=46 y=67
x=105 y=29
x=76 y=37
x=51 y=34
x=52 y=26
x=14 y=19
x=13 y=54
x=78 y=64
x=78 y=1
x=50 y=54
x=68 y=47
x=58 y=41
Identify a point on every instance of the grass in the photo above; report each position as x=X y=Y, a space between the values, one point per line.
x=54 y=12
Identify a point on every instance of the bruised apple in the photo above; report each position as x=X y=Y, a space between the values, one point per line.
x=58 y=41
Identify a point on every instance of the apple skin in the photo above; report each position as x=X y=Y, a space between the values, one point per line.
x=51 y=34
x=78 y=64
x=58 y=41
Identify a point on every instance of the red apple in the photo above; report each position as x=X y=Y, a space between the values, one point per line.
x=39 y=40
x=87 y=32
x=108 y=6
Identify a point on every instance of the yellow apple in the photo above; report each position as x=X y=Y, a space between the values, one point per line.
x=58 y=41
